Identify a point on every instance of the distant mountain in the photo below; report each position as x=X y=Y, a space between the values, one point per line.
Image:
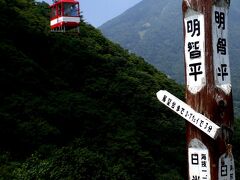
x=154 y=30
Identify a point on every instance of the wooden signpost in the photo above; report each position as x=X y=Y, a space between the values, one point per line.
x=198 y=153
x=208 y=90
x=208 y=83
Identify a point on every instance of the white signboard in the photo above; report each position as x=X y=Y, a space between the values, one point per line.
x=194 y=51
x=226 y=167
x=220 y=48
x=198 y=161
x=184 y=110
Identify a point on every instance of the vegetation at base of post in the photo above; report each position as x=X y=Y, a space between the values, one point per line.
x=77 y=106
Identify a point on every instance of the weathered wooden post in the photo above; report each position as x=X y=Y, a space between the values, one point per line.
x=209 y=108
x=208 y=88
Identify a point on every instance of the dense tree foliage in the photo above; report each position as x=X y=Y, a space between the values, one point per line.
x=77 y=106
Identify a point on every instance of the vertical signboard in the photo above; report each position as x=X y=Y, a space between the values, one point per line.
x=198 y=161
x=220 y=48
x=226 y=167
x=194 y=51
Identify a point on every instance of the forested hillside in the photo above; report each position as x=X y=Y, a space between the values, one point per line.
x=77 y=106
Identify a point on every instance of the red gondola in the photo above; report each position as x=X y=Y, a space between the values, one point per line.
x=65 y=15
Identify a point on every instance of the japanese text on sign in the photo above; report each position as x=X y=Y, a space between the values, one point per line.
x=220 y=48
x=195 y=51
x=181 y=108
x=198 y=161
x=226 y=167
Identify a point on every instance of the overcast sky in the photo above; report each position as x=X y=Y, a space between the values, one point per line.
x=97 y=12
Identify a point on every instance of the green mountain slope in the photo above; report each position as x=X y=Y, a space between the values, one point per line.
x=77 y=106
x=153 y=29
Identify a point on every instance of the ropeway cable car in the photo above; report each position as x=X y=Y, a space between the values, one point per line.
x=65 y=15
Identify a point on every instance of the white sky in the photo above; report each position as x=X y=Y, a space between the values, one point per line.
x=97 y=12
